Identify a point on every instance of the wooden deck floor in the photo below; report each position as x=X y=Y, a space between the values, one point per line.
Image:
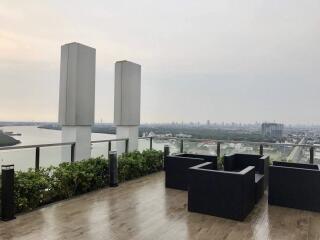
x=145 y=209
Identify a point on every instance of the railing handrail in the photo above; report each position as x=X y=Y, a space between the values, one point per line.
x=56 y=144
x=36 y=145
x=161 y=138
x=110 y=140
x=72 y=144
x=233 y=141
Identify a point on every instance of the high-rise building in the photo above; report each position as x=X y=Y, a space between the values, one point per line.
x=272 y=130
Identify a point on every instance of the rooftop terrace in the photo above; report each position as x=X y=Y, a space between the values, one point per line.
x=145 y=209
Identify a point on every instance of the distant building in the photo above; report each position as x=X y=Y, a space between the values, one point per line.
x=208 y=123
x=151 y=134
x=274 y=130
x=182 y=135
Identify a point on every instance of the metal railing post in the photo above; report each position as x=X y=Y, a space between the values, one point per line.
x=127 y=146
x=7 y=196
x=311 y=155
x=109 y=146
x=151 y=138
x=72 y=151
x=218 y=149
x=166 y=150
x=261 y=150
x=113 y=169
x=181 y=146
x=37 y=163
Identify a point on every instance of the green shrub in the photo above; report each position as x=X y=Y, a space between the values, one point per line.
x=154 y=160
x=136 y=164
x=36 y=188
x=32 y=189
x=220 y=162
x=70 y=179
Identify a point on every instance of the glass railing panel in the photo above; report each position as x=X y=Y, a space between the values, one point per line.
x=23 y=159
x=276 y=152
x=159 y=143
x=143 y=144
x=299 y=154
x=116 y=144
x=305 y=155
x=52 y=156
x=99 y=149
x=279 y=153
x=174 y=145
x=119 y=146
x=233 y=148
x=200 y=146
x=317 y=155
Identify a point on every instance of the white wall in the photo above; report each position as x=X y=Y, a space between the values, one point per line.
x=77 y=85
x=127 y=95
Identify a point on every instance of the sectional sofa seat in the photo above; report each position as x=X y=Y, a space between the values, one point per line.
x=237 y=162
x=221 y=193
x=176 y=168
x=294 y=185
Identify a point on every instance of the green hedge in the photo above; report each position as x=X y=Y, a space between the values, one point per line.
x=37 y=188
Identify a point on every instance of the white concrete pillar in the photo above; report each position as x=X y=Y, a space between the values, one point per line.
x=127 y=98
x=77 y=98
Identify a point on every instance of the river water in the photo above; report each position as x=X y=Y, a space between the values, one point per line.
x=30 y=135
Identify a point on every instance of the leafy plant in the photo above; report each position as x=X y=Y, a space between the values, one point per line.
x=136 y=164
x=220 y=162
x=35 y=188
x=32 y=189
x=70 y=179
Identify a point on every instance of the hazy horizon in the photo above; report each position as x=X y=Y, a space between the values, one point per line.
x=223 y=61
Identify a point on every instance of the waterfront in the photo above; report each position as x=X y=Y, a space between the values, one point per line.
x=30 y=135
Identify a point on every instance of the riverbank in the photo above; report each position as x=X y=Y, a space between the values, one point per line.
x=201 y=132
x=6 y=140
x=105 y=129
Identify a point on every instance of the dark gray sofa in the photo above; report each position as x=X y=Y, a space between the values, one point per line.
x=294 y=185
x=176 y=168
x=221 y=193
x=237 y=162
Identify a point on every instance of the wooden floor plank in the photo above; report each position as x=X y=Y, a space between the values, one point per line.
x=145 y=209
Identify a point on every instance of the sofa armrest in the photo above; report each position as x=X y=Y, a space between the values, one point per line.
x=176 y=171
x=206 y=158
x=229 y=163
x=294 y=187
x=296 y=165
x=221 y=193
x=248 y=189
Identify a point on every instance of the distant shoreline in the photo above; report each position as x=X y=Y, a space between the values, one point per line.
x=203 y=132
x=95 y=129
x=6 y=140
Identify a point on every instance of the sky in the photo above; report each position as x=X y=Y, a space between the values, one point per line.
x=217 y=60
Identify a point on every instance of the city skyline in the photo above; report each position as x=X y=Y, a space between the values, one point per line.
x=219 y=60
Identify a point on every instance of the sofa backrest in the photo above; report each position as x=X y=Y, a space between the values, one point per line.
x=244 y=160
x=294 y=187
x=179 y=162
x=207 y=158
x=223 y=192
x=176 y=169
x=241 y=161
x=296 y=165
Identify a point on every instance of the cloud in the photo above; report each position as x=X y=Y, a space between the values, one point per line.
x=219 y=60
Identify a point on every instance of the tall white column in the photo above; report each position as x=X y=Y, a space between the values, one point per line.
x=77 y=98
x=127 y=100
